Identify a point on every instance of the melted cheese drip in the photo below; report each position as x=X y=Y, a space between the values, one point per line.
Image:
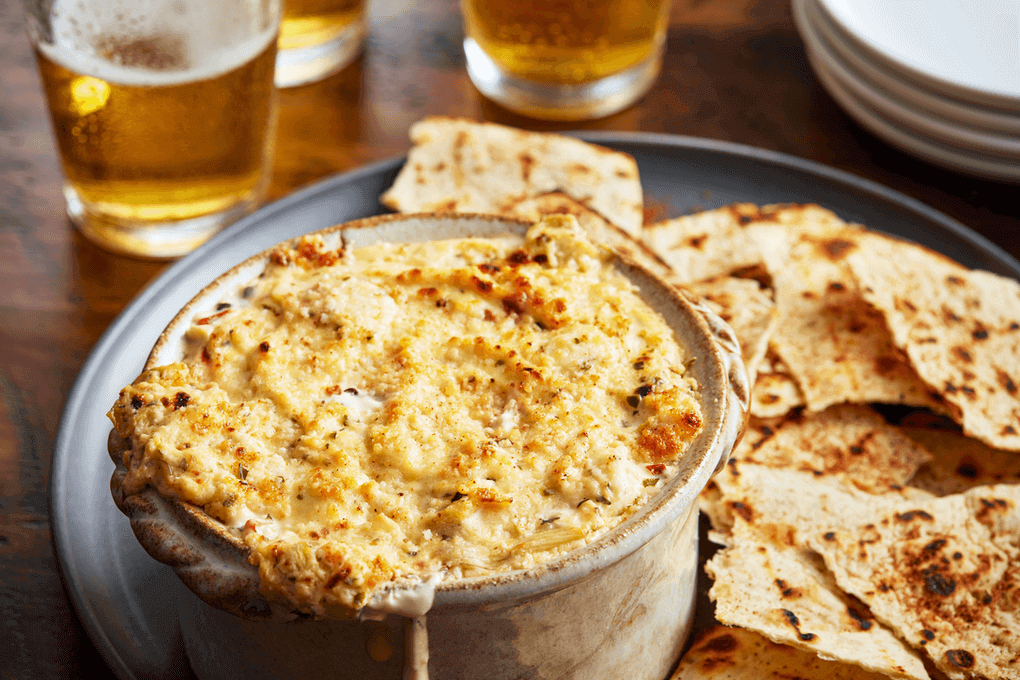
x=416 y=649
x=412 y=603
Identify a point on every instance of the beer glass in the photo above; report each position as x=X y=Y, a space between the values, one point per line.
x=164 y=113
x=564 y=59
x=317 y=39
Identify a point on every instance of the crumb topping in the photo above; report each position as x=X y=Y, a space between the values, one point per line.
x=467 y=406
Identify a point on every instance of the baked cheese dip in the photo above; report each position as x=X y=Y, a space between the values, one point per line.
x=364 y=417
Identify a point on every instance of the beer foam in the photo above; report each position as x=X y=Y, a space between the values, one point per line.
x=208 y=40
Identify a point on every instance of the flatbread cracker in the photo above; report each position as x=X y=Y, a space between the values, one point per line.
x=960 y=463
x=944 y=574
x=707 y=244
x=803 y=500
x=835 y=344
x=747 y=308
x=729 y=653
x=459 y=165
x=785 y=593
x=960 y=329
x=852 y=440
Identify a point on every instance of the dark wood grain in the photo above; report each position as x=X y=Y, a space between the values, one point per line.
x=735 y=70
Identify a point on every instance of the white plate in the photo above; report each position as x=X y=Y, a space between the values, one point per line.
x=965 y=138
x=929 y=150
x=926 y=101
x=965 y=48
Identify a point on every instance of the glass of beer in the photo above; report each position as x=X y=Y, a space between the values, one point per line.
x=317 y=39
x=564 y=59
x=164 y=113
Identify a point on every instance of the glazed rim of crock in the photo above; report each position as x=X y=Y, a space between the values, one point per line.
x=213 y=563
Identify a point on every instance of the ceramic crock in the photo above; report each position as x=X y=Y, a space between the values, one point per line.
x=620 y=607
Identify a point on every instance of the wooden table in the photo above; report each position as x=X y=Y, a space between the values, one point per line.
x=734 y=70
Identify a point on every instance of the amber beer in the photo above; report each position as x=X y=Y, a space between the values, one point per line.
x=165 y=132
x=317 y=38
x=566 y=42
x=313 y=22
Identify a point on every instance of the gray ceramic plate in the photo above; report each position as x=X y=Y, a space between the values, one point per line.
x=125 y=599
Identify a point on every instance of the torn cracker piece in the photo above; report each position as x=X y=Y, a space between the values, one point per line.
x=596 y=227
x=806 y=501
x=747 y=308
x=945 y=574
x=960 y=463
x=959 y=328
x=730 y=653
x=852 y=440
x=783 y=591
x=835 y=344
x=460 y=165
x=775 y=392
x=707 y=244
x=533 y=208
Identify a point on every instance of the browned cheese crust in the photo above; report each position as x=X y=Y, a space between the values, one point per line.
x=462 y=407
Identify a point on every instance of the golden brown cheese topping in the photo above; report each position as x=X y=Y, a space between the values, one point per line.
x=460 y=407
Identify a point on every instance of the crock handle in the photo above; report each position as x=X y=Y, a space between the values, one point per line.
x=738 y=402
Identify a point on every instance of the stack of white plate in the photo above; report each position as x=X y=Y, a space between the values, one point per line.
x=939 y=79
